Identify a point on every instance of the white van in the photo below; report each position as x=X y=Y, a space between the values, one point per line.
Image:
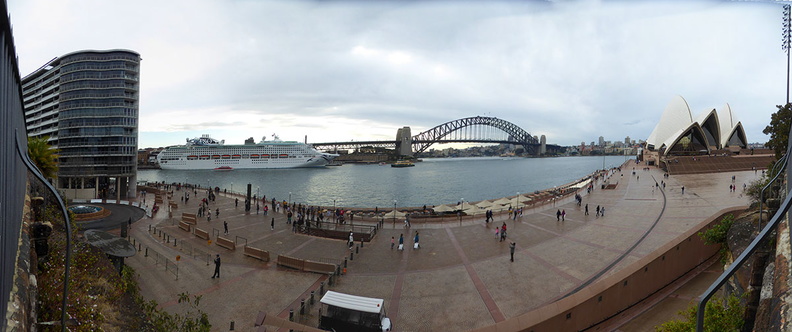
x=345 y=312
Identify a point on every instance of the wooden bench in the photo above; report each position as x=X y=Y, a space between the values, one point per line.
x=184 y=226
x=189 y=218
x=225 y=243
x=257 y=253
x=294 y=263
x=318 y=267
x=201 y=233
x=173 y=205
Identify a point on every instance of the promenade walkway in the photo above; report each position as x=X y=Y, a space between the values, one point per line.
x=461 y=277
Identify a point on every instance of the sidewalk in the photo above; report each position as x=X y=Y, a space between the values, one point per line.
x=460 y=279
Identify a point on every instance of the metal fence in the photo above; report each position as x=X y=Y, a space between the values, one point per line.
x=14 y=173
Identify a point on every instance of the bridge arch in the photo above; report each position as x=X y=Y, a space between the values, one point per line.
x=424 y=140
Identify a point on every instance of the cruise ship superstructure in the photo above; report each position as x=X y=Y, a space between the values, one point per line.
x=208 y=153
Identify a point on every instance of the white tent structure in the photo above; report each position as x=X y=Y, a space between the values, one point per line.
x=394 y=214
x=502 y=201
x=443 y=208
x=484 y=204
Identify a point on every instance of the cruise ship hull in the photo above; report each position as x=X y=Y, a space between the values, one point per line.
x=271 y=155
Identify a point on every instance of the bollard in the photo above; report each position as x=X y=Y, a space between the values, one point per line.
x=351 y=256
x=149 y=228
x=168 y=236
x=361 y=243
x=321 y=288
x=312 y=297
x=357 y=249
x=139 y=247
x=146 y=252
x=174 y=241
x=291 y=315
x=302 y=307
x=345 y=262
x=232 y=326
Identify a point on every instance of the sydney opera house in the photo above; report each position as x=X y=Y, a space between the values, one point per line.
x=680 y=133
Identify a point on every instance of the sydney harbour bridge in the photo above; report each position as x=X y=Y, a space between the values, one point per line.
x=478 y=129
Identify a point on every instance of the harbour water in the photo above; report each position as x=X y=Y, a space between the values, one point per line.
x=431 y=182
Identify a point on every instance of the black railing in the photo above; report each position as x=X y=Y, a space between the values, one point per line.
x=738 y=263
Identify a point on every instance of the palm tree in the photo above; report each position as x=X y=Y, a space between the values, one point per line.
x=44 y=156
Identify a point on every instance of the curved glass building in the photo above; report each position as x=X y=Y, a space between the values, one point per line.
x=87 y=103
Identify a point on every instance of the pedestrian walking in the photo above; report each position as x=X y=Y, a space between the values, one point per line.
x=683 y=190
x=558 y=215
x=351 y=240
x=586 y=211
x=217 y=267
x=416 y=245
x=512 y=246
x=401 y=241
x=393 y=242
x=598 y=210
x=602 y=211
x=563 y=215
x=225 y=227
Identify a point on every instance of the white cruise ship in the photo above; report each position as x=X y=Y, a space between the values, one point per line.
x=208 y=153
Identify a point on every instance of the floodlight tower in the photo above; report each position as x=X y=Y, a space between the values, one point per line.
x=786 y=41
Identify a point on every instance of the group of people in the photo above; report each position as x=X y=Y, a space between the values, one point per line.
x=416 y=243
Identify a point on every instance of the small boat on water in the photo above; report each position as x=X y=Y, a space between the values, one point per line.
x=403 y=163
x=335 y=163
x=224 y=168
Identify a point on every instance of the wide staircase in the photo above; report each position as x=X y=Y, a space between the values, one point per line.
x=721 y=161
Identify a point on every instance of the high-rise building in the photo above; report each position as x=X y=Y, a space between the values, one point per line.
x=601 y=141
x=87 y=103
x=627 y=140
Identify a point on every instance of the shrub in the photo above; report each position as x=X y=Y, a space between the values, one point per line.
x=721 y=315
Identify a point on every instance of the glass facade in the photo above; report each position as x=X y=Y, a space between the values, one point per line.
x=87 y=103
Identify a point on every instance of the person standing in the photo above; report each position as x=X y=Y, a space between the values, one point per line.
x=512 y=246
x=393 y=242
x=558 y=215
x=217 y=267
x=351 y=240
x=225 y=227
x=683 y=190
x=602 y=211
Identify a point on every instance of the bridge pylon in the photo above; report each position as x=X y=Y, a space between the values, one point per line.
x=404 y=142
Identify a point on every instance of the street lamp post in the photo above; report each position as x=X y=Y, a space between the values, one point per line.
x=290 y=203
x=460 y=211
x=518 y=200
x=787 y=41
x=232 y=187
x=394 y=212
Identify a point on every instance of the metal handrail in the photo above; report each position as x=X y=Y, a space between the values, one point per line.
x=37 y=173
x=739 y=261
x=782 y=162
x=766 y=231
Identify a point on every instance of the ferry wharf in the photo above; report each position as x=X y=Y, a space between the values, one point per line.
x=460 y=279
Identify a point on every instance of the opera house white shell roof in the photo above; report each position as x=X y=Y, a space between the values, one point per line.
x=711 y=130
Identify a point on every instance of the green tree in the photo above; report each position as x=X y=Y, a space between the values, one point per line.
x=779 y=129
x=44 y=156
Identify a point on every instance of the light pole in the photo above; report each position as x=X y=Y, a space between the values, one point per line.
x=232 y=187
x=394 y=212
x=518 y=200
x=290 y=199
x=786 y=41
x=460 y=211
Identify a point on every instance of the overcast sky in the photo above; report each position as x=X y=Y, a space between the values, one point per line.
x=359 y=70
